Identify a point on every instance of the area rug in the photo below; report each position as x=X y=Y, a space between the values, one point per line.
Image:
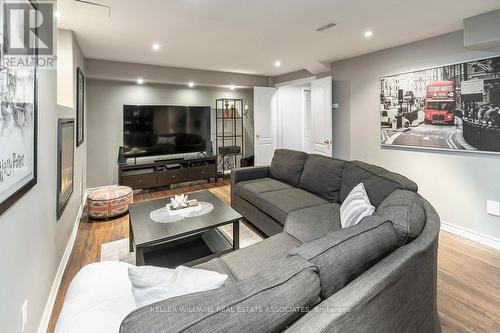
x=119 y=250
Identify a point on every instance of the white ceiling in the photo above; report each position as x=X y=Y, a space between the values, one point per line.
x=247 y=36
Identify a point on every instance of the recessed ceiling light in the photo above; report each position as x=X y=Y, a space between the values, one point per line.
x=140 y=80
x=232 y=87
x=368 y=34
x=155 y=46
x=57 y=13
x=277 y=63
x=191 y=84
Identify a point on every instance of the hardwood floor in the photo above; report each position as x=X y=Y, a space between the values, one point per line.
x=92 y=235
x=468 y=273
x=468 y=285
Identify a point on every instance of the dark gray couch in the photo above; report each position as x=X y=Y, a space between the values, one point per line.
x=311 y=275
x=295 y=181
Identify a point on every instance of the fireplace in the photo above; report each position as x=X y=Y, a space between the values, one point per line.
x=65 y=163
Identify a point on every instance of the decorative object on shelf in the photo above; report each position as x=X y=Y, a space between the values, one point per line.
x=247 y=108
x=65 y=163
x=228 y=150
x=454 y=107
x=230 y=111
x=109 y=202
x=18 y=123
x=80 y=107
x=229 y=133
x=166 y=215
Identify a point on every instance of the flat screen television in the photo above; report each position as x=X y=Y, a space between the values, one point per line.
x=150 y=130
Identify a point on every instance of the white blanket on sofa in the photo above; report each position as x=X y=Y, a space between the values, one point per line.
x=101 y=294
x=98 y=299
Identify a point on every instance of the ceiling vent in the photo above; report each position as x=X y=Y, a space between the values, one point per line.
x=97 y=5
x=326 y=26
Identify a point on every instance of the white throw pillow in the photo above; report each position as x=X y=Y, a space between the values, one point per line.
x=356 y=206
x=152 y=284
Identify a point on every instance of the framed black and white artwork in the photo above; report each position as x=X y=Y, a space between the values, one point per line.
x=65 y=163
x=18 y=122
x=454 y=107
x=80 y=107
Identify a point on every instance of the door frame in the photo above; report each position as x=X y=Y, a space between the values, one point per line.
x=303 y=91
x=297 y=82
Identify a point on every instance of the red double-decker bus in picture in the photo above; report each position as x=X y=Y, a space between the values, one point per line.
x=440 y=103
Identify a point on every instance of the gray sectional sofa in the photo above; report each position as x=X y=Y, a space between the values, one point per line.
x=311 y=275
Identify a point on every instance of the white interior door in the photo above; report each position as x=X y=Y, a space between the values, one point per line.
x=290 y=124
x=265 y=101
x=321 y=116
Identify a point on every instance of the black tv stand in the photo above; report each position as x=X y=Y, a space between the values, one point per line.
x=166 y=172
x=167 y=160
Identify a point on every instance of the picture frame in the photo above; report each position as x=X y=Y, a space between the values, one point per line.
x=65 y=163
x=18 y=126
x=453 y=107
x=80 y=107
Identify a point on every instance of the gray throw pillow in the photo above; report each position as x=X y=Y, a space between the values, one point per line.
x=323 y=176
x=287 y=165
x=407 y=213
x=343 y=255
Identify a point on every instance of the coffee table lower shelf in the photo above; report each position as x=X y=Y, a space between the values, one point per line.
x=187 y=251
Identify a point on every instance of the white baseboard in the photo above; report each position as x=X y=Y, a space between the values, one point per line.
x=92 y=189
x=49 y=306
x=471 y=235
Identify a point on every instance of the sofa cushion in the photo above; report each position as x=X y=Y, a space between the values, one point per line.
x=249 y=189
x=323 y=176
x=313 y=222
x=265 y=223
x=253 y=305
x=287 y=165
x=250 y=260
x=379 y=183
x=343 y=255
x=407 y=213
x=217 y=265
x=279 y=204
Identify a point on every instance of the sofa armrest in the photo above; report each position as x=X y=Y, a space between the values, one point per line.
x=242 y=174
x=398 y=294
x=236 y=307
x=311 y=223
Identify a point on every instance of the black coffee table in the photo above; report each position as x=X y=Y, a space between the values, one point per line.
x=187 y=242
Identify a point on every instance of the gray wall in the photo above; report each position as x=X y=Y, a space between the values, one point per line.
x=67 y=220
x=33 y=242
x=126 y=71
x=105 y=112
x=482 y=31
x=466 y=180
x=30 y=255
